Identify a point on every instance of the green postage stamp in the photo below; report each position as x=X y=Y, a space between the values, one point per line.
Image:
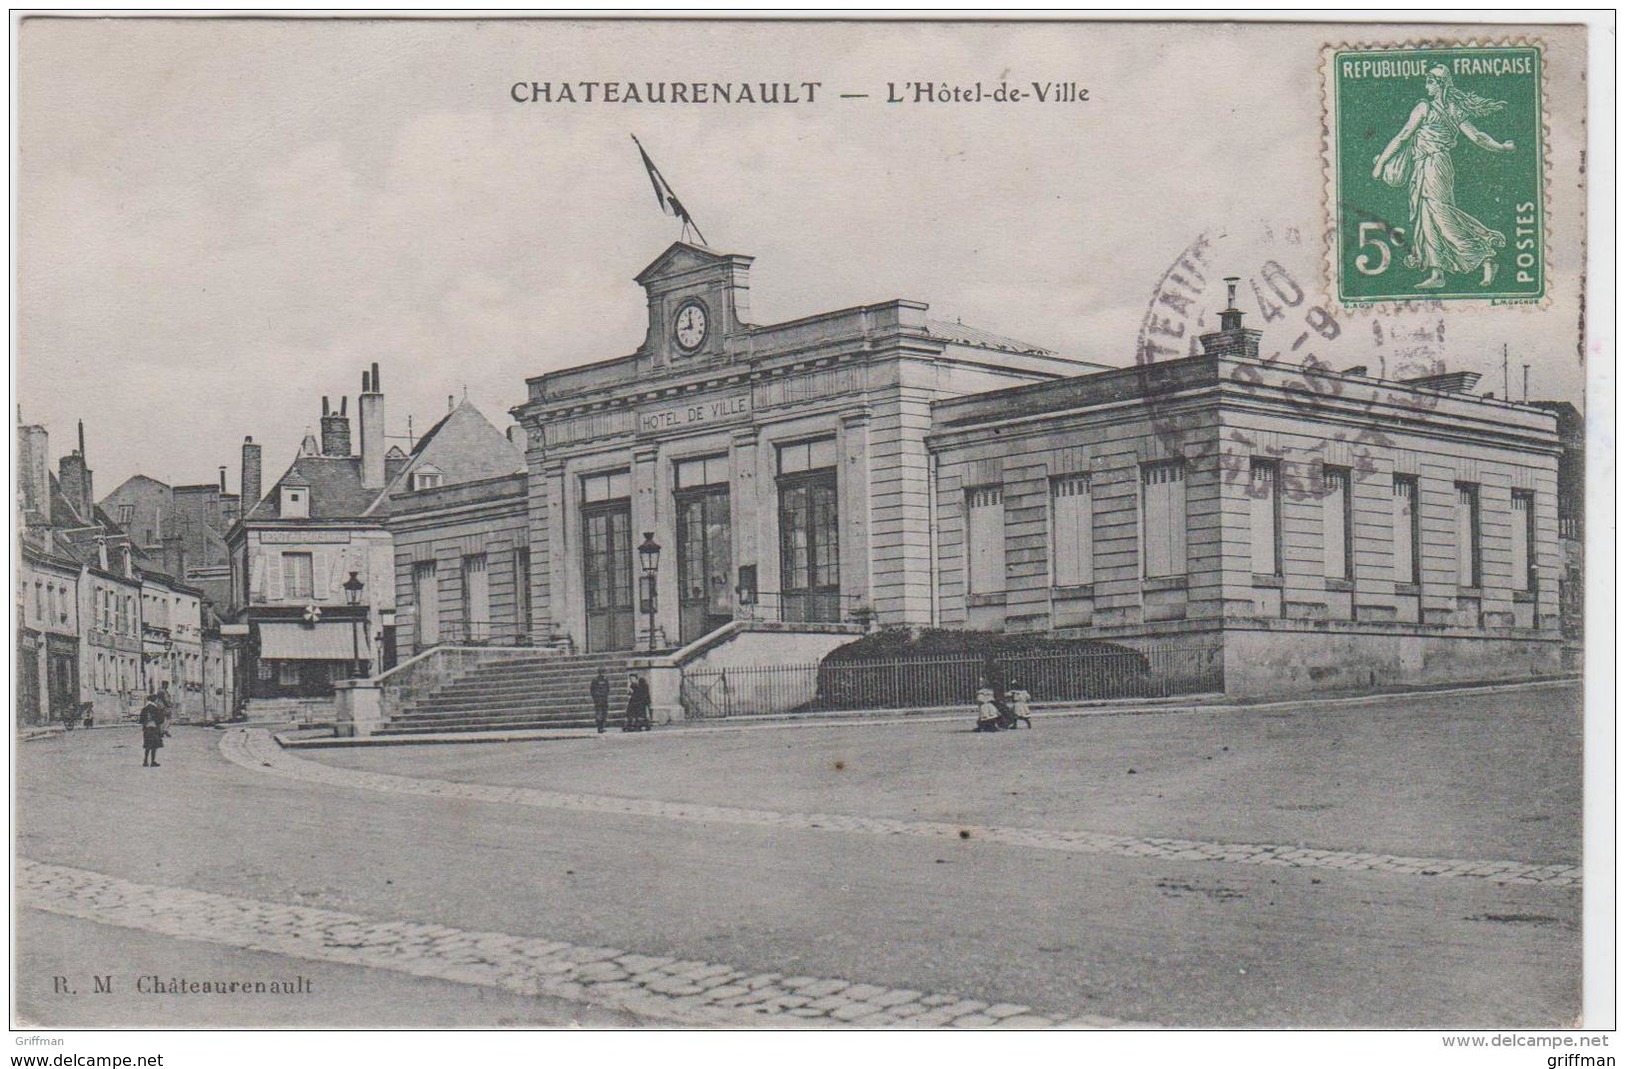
x=1437 y=173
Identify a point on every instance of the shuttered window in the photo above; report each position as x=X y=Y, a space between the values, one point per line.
x=1524 y=572
x=1163 y=518
x=476 y=596
x=1264 y=492
x=426 y=602
x=1469 y=551
x=1337 y=522
x=1407 y=532
x=298 y=576
x=1072 y=531
x=984 y=508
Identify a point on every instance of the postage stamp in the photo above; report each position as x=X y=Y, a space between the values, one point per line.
x=1437 y=173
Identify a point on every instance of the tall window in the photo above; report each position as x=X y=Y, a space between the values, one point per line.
x=984 y=533
x=1072 y=531
x=521 y=582
x=809 y=531
x=1407 y=531
x=1264 y=491
x=476 y=597
x=1469 y=548
x=1337 y=522
x=426 y=600
x=1163 y=518
x=1524 y=561
x=298 y=576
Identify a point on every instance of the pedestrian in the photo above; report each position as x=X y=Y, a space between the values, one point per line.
x=166 y=702
x=637 y=705
x=1020 y=705
x=987 y=710
x=600 y=699
x=152 y=731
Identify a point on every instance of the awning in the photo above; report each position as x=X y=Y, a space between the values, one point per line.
x=338 y=641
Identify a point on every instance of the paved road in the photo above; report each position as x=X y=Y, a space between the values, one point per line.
x=882 y=874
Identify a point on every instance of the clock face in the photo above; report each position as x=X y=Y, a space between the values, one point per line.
x=691 y=325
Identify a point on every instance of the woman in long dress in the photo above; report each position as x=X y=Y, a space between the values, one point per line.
x=1443 y=237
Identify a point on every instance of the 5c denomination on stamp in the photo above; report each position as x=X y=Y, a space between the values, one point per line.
x=1437 y=173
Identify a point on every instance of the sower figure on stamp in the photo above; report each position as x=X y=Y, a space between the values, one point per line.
x=152 y=731
x=600 y=699
x=1443 y=237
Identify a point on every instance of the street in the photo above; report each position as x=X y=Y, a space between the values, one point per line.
x=1405 y=861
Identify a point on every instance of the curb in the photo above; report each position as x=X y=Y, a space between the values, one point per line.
x=927 y=715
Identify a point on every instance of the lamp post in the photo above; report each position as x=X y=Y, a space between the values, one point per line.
x=352 y=597
x=649 y=559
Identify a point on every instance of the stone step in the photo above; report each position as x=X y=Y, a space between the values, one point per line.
x=541 y=688
x=509 y=709
x=456 y=708
x=508 y=723
x=483 y=675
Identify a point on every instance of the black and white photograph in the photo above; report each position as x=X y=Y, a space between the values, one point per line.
x=835 y=523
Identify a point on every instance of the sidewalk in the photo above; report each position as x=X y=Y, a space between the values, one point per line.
x=317 y=738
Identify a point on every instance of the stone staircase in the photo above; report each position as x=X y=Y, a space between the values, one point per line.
x=517 y=695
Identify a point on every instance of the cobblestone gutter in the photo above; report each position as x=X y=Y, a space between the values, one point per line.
x=661 y=990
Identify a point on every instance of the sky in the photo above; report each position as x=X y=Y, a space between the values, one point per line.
x=220 y=221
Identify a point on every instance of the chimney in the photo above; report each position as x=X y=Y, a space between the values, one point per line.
x=34 y=472
x=75 y=478
x=373 y=446
x=222 y=478
x=335 y=430
x=101 y=552
x=1232 y=339
x=251 y=476
x=175 y=556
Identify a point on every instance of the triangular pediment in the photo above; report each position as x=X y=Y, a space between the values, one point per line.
x=681 y=259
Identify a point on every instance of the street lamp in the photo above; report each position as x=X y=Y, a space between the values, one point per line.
x=649 y=559
x=352 y=597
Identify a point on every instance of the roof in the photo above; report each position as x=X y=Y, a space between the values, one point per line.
x=63 y=512
x=463 y=447
x=335 y=489
x=463 y=444
x=982 y=339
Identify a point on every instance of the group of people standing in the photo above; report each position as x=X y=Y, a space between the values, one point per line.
x=638 y=704
x=992 y=715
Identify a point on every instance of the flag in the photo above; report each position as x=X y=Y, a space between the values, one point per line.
x=664 y=195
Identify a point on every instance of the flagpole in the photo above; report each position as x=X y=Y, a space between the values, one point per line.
x=666 y=197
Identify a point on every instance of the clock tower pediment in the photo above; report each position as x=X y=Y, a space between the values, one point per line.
x=699 y=301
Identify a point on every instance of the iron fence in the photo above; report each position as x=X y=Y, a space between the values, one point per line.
x=931 y=682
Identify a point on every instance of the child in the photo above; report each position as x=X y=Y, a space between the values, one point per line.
x=987 y=710
x=152 y=731
x=1020 y=703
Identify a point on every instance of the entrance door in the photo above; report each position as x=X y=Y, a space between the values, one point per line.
x=63 y=682
x=606 y=562
x=704 y=561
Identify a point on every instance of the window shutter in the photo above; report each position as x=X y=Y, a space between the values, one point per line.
x=273 y=577
x=256 y=577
